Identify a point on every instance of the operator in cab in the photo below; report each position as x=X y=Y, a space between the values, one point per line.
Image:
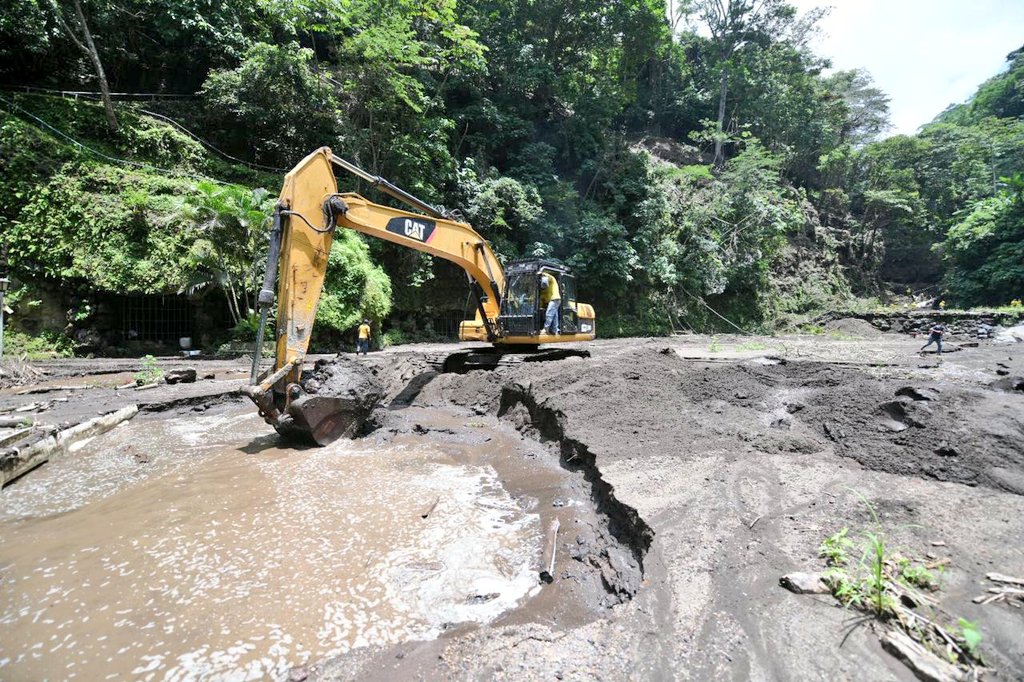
x=551 y=297
x=363 y=344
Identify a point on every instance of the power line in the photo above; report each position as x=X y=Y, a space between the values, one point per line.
x=209 y=145
x=92 y=94
x=704 y=303
x=107 y=157
x=148 y=95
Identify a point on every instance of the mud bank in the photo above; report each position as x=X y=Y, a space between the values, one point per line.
x=687 y=475
x=727 y=471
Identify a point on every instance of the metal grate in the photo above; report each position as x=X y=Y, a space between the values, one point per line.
x=156 y=318
x=447 y=323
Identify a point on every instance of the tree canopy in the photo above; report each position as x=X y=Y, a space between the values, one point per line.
x=688 y=158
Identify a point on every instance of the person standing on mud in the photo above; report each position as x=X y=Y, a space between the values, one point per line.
x=935 y=336
x=363 y=344
x=551 y=297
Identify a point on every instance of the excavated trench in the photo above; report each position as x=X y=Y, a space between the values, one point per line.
x=182 y=544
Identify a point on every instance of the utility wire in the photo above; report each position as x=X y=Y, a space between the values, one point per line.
x=75 y=94
x=209 y=145
x=166 y=119
x=126 y=162
x=717 y=314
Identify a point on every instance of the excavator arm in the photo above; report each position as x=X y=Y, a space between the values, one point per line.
x=307 y=213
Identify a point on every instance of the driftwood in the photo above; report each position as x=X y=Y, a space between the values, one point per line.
x=50 y=389
x=1000 y=578
x=430 y=510
x=924 y=663
x=1002 y=593
x=547 y=566
x=15 y=435
x=16 y=422
x=17 y=462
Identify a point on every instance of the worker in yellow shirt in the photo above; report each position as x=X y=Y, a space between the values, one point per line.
x=551 y=297
x=363 y=344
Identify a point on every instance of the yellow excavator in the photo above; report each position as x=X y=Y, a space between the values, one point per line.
x=509 y=310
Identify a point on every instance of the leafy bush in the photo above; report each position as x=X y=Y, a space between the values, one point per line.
x=46 y=345
x=150 y=373
x=354 y=289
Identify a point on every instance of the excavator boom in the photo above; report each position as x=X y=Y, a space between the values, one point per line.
x=307 y=213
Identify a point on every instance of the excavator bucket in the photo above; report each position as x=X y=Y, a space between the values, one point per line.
x=323 y=419
x=334 y=401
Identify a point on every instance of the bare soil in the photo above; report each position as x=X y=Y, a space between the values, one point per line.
x=709 y=469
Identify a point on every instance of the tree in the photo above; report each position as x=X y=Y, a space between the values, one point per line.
x=738 y=26
x=273 y=107
x=225 y=254
x=985 y=251
x=87 y=45
x=867 y=107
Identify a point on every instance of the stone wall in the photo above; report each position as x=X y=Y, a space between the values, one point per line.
x=919 y=321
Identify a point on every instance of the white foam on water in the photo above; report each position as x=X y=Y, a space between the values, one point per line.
x=240 y=566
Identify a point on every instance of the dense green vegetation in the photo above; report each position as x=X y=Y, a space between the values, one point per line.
x=692 y=167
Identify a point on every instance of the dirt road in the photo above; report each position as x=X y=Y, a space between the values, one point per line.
x=688 y=475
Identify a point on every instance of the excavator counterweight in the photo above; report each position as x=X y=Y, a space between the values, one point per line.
x=518 y=307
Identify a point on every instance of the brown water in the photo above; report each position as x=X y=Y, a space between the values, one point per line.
x=220 y=563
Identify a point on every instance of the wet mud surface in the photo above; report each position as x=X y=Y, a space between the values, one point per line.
x=248 y=557
x=686 y=478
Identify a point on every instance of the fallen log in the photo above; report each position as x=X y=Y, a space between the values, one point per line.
x=15 y=463
x=1000 y=578
x=15 y=435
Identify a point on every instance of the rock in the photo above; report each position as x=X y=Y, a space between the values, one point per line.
x=804 y=583
x=894 y=426
x=210 y=375
x=1010 y=335
x=1002 y=372
x=181 y=376
x=1014 y=383
x=946 y=450
x=918 y=393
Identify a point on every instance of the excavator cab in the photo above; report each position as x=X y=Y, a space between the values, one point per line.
x=522 y=313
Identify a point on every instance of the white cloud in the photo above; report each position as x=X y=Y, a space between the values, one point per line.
x=925 y=54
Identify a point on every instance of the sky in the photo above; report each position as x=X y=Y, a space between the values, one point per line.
x=925 y=54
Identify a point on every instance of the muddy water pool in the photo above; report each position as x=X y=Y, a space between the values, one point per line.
x=194 y=547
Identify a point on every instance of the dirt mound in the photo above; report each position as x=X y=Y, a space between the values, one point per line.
x=619 y=408
x=851 y=326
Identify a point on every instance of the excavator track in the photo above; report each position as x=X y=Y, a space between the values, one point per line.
x=492 y=357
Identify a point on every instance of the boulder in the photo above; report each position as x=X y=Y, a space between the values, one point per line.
x=180 y=376
x=804 y=583
x=1009 y=384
